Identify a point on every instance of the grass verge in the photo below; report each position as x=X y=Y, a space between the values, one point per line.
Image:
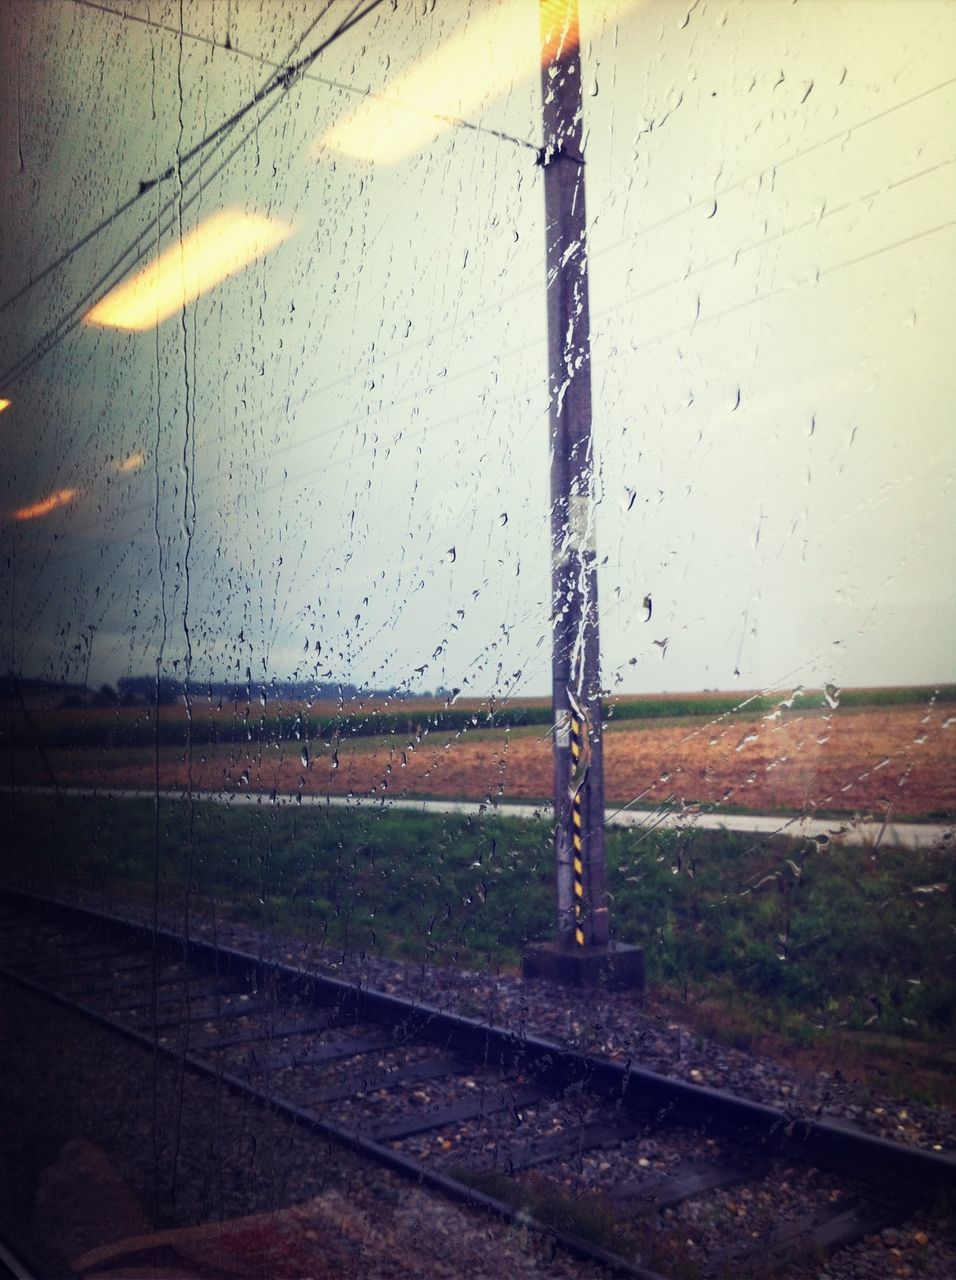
x=761 y=939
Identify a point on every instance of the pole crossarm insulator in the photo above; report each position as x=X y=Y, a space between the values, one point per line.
x=548 y=155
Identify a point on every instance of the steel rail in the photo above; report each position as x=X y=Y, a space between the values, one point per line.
x=908 y=1174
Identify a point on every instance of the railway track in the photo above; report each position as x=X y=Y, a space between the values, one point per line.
x=519 y=1126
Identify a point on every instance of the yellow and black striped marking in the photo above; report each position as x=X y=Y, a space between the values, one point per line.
x=577 y=833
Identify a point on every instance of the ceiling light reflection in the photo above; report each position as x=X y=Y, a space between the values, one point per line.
x=61 y=498
x=218 y=248
x=559 y=29
x=469 y=68
x=4 y=404
x=132 y=463
x=496 y=50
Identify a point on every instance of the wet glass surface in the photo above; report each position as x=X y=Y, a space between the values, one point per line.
x=401 y=465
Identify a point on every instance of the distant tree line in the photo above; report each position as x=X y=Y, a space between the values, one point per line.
x=167 y=691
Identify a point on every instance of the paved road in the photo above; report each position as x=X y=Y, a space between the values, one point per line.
x=907 y=835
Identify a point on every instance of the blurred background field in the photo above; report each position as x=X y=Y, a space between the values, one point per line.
x=860 y=752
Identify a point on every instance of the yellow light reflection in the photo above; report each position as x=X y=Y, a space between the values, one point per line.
x=132 y=463
x=61 y=498
x=4 y=404
x=218 y=248
x=559 y=29
x=475 y=66
x=470 y=67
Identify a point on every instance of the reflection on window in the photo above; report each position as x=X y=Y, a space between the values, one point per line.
x=215 y=250
x=277 y=607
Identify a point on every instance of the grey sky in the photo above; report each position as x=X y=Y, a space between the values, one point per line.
x=770 y=195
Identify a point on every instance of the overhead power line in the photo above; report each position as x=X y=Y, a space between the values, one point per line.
x=134 y=252
x=841 y=135
x=69 y=322
x=283 y=70
x=340 y=428
x=458 y=121
x=287 y=74
x=501 y=303
x=282 y=79
x=821 y=274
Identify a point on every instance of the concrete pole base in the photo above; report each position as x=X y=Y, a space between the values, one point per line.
x=618 y=966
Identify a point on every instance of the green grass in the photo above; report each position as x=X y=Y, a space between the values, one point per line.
x=588 y=1217
x=824 y=937
x=593 y=1217
x=800 y=939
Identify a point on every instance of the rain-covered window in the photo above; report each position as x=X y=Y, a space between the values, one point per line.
x=477 y=526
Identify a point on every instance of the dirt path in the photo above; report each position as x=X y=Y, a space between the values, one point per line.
x=899 y=760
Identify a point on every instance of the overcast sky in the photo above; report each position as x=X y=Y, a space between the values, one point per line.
x=346 y=442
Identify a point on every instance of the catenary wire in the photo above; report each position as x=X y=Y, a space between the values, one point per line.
x=128 y=258
x=281 y=69
x=341 y=427
x=641 y=232
x=777 y=236
x=646 y=342
x=67 y=324
x=780 y=164
x=120 y=265
x=597 y=315
x=789 y=288
x=457 y=121
x=325 y=464
x=144 y=187
x=748 y=302
x=501 y=303
x=64 y=327
x=532 y=343
x=282 y=79
x=632 y=297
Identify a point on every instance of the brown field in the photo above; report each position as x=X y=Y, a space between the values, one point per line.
x=900 y=759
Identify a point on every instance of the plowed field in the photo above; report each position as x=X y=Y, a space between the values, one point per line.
x=866 y=760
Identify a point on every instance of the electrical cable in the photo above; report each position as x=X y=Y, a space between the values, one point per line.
x=35 y=355
x=748 y=302
x=326 y=464
x=774 y=293
x=501 y=303
x=780 y=164
x=283 y=78
x=646 y=230
x=633 y=297
x=119 y=266
x=281 y=69
x=128 y=258
x=67 y=324
x=457 y=121
x=771 y=239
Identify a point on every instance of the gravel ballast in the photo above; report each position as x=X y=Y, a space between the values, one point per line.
x=421 y=1234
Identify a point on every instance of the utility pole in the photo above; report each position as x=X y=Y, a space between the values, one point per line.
x=582 y=951
x=575 y=676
